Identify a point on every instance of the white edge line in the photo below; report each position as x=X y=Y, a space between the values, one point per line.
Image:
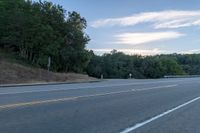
x=138 y=125
x=75 y=98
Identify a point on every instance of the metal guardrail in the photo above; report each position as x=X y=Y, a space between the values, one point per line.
x=181 y=76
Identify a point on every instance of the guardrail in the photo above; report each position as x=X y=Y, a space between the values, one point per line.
x=181 y=76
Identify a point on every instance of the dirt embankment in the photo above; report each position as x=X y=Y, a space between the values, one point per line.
x=14 y=73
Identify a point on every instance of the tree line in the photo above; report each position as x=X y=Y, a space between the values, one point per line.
x=35 y=31
x=119 y=65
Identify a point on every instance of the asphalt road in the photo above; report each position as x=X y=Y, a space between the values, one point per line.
x=113 y=106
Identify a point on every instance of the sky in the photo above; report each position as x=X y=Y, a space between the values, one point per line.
x=145 y=27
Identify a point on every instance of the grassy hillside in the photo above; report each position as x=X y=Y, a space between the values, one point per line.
x=14 y=70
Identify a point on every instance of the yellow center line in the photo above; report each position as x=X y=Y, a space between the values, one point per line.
x=75 y=98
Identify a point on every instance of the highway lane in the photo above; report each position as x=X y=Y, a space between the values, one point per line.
x=29 y=96
x=109 y=106
x=185 y=120
x=12 y=95
x=106 y=83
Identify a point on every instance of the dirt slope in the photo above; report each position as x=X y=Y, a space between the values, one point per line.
x=12 y=73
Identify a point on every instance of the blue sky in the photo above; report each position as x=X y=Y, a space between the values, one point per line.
x=140 y=26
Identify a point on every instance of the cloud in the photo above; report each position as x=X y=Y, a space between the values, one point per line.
x=161 y=19
x=154 y=51
x=193 y=51
x=141 y=38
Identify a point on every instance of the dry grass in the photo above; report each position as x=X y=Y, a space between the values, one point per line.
x=14 y=73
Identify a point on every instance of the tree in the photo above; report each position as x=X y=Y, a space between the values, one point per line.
x=118 y=65
x=38 y=30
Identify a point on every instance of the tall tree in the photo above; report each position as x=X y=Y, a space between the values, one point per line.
x=39 y=30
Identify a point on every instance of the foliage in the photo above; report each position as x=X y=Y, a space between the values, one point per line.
x=119 y=65
x=35 y=31
x=38 y=30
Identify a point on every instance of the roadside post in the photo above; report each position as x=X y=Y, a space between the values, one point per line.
x=48 y=67
x=130 y=75
x=49 y=63
x=101 y=76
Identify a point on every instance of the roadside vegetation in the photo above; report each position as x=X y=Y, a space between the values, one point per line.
x=15 y=70
x=33 y=32
x=36 y=31
x=119 y=65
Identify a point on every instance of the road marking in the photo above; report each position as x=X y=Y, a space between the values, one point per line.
x=75 y=98
x=87 y=87
x=157 y=87
x=34 y=103
x=138 y=125
x=58 y=100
